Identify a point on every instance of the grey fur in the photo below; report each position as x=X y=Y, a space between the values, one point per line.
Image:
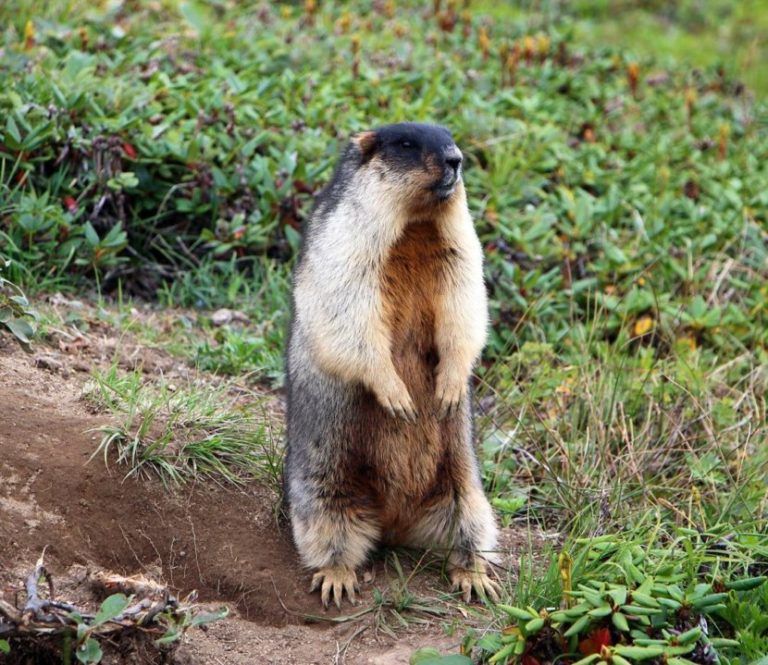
x=342 y=461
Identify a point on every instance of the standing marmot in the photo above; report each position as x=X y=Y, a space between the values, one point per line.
x=389 y=317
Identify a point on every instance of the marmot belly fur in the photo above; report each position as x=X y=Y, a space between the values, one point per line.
x=389 y=318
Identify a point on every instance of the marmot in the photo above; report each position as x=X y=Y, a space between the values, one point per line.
x=389 y=316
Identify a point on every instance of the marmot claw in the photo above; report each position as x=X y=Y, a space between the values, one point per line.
x=396 y=400
x=449 y=394
x=335 y=580
x=466 y=581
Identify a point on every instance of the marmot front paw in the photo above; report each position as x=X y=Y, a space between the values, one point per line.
x=395 y=398
x=335 y=580
x=450 y=391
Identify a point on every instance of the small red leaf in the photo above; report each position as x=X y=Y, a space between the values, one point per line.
x=597 y=639
x=70 y=204
x=129 y=150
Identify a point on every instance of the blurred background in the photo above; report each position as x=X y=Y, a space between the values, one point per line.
x=700 y=32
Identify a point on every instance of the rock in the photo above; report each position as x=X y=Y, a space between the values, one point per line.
x=49 y=362
x=224 y=316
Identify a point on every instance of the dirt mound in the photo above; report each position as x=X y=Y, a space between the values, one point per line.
x=226 y=543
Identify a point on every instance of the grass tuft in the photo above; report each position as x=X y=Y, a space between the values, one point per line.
x=179 y=433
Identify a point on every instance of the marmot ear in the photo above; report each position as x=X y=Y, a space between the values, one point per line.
x=366 y=142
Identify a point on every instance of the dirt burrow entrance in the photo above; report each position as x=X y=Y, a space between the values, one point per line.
x=226 y=543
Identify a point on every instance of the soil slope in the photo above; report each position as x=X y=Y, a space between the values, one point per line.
x=225 y=543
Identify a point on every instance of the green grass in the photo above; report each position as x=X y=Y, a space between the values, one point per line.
x=616 y=170
x=593 y=434
x=713 y=33
x=252 y=343
x=183 y=432
x=709 y=575
x=16 y=315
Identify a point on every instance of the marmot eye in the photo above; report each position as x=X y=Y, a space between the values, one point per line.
x=405 y=143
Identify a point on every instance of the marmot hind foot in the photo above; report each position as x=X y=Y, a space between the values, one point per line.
x=334 y=581
x=466 y=581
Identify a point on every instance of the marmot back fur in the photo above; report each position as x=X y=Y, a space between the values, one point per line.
x=389 y=318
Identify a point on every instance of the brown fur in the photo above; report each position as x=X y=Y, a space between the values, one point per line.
x=410 y=470
x=390 y=319
x=366 y=141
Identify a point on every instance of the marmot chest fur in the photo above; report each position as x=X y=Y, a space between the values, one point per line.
x=389 y=318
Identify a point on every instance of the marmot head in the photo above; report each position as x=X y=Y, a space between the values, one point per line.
x=420 y=162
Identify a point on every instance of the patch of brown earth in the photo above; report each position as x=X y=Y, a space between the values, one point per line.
x=227 y=543
x=222 y=541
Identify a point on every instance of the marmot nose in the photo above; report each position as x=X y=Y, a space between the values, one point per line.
x=453 y=159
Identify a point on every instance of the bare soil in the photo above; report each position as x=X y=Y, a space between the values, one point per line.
x=224 y=542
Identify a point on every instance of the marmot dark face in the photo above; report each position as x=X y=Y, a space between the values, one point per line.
x=422 y=161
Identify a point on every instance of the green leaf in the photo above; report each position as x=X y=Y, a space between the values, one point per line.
x=620 y=621
x=504 y=653
x=293 y=237
x=422 y=654
x=701 y=590
x=639 y=653
x=644 y=599
x=515 y=612
x=534 y=626
x=124 y=180
x=746 y=584
x=171 y=635
x=116 y=238
x=615 y=254
x=90 y=234
x=89 y=652
x=12 y=129
x=679 y=650
x=670 y=604
x=5 y=647
x=431 y=656
x=490 y=642
x=588 y=659
x=20 y=329
x=453 y=659
x=640 y=611
x=689 y=635
x=720 y=642
x=634 y=573
x=619 y=596
x=110 y=608
x=711 y=609
x=577 y=610
x=205 y=618
x=578 y=626
x=709 y=600
x=128 y=179
x=593 y=598
x=510 y=505
x=197 y=15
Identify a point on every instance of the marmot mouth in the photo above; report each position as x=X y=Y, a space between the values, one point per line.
x=445 y=188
